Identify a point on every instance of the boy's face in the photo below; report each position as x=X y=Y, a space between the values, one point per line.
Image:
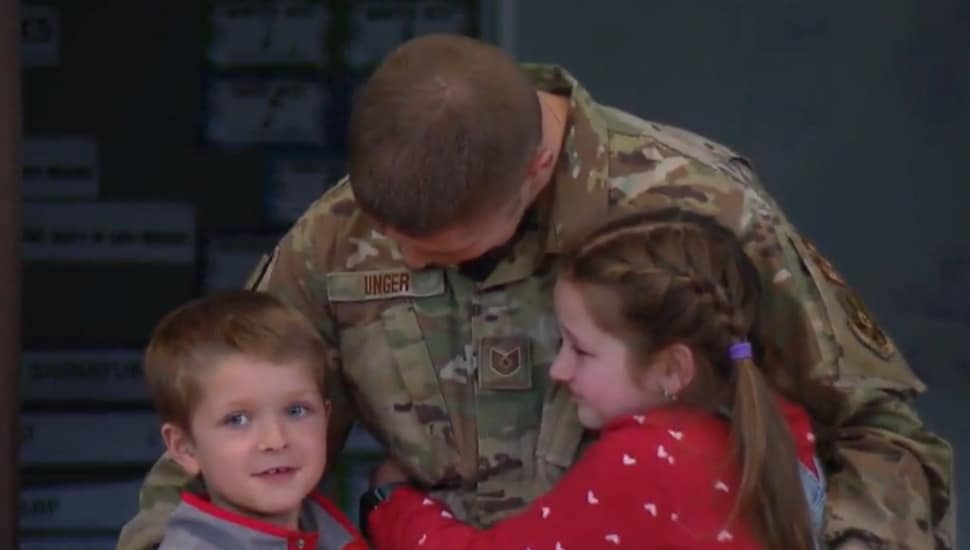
x=258 y=436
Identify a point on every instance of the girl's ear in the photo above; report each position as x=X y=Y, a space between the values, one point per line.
x=677 y=366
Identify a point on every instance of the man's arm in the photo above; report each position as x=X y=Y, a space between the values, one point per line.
x=290 y=273
x=890 y=480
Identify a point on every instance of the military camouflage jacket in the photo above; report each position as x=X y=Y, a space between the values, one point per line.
x=451 y=374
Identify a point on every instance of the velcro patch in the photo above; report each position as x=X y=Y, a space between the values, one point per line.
x=358 y=286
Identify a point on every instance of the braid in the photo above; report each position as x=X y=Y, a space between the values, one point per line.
x=680 y=278
x=677 y=273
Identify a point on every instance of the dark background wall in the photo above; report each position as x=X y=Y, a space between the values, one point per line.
x=856 y=116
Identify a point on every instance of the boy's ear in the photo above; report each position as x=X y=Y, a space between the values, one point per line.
x=181 y=448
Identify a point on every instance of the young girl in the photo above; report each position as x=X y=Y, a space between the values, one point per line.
x=696 y=450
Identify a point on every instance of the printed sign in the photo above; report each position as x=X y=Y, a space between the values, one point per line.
x=82 y=375
x=80 y=508
x=247 y=111
x=109 y=232
x=378 y=27
x=296 y=181
x=86 y=438
x=68 y=543
x=40 y=36
x=60 y=167
x=259 y=33
x=440 y=17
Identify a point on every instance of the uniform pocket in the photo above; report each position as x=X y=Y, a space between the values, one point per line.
x=397 y=389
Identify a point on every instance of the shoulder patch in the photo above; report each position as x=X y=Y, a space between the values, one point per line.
x=358 y=286
x=864 y=326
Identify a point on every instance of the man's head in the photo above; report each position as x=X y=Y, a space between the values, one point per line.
x=445 y=147
x=238 y=379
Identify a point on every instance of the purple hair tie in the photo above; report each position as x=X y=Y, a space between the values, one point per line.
x=739 y=351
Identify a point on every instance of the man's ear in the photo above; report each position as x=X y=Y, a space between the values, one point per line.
x=180 y=447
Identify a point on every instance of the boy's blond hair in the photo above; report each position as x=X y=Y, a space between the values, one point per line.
x=206 y=330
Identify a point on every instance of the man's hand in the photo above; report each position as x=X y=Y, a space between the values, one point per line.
x=388 y=472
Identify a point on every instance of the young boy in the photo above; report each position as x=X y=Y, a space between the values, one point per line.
x=238 y=379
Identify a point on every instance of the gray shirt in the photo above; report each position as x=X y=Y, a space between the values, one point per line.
x=197 y=524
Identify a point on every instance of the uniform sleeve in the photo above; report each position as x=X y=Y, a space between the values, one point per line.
x=159 y=495
x=890 y=479
x=599 y=503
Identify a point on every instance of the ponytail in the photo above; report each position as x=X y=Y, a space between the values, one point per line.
x=770 y=496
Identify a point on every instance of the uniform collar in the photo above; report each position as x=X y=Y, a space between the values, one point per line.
x=577 y=195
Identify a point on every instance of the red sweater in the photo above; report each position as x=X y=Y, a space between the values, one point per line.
x=662 y=480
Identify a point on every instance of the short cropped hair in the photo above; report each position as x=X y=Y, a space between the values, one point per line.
x=204 y=331
x=442 y=132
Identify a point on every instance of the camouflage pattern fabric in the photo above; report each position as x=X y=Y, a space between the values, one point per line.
x=451 y=374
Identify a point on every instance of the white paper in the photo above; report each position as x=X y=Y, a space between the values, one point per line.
x=68 y=543
x=82 y=375
x=378 y=28
x=230 y=259
x=260 y=33
x=79 y=507
x=297 y=182
x=60 y=167
x=251 y=111
x=440 y=17
x=40 y=39
x=109 y=232
x=84 y=438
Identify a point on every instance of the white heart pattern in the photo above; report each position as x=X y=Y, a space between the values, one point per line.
x=810 y=437
x=545 y=512
x=559 y=547
x=724 y=536
x=423 y=538
x=614 y=538
x=628 y=460
x=639 y=418
x=721 y=486
x=426 y=502
x=674 y=517
x=651 y=507
x=676 y=435
x=446 y=514
x=591 y=498
x=661 y=452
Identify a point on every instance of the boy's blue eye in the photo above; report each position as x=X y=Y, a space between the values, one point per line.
x=236 y=419
x=297 y=410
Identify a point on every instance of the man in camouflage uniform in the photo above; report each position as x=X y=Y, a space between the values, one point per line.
x=442 y=338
